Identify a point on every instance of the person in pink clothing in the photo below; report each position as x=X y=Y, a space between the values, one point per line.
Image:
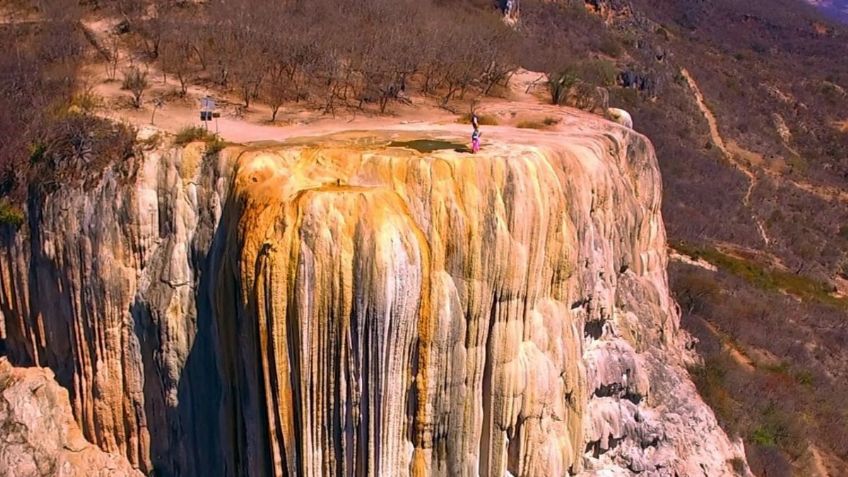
x=475 y=140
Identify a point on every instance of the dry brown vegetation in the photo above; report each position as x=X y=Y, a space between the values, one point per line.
x=755 y=61
x=329 y=53
x=790 y=395
x=47 y=135
x=324 y=54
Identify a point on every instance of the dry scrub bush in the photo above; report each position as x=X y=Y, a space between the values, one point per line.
x=52 y=140
x=76 y=149
x=135 y=81
x=537 y=124
x=37 y=82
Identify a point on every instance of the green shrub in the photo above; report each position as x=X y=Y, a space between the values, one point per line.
x=779 y=368
x=696 y=289
x=805 y=378
x=798 y=164
x=77 y=148
x=597 y=72
x=191 y=134
x=777 y=428
x=709 y=379
x=591 y=72
x=559 y=83
x=151 y=142
x=766 y=278
x=85 y=102
x=763 y=437
x=738 y=465
x=10 y=214
x=214 y=145
x=37 y=152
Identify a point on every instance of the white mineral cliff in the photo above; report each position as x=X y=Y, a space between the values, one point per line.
x=348 y=305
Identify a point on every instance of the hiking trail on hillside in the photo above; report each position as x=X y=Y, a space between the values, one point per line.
x=737 y=155
x=732 y=158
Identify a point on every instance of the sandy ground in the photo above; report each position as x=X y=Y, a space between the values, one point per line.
x=302 y=120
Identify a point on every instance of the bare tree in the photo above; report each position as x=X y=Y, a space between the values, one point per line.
x=275 y=89
x=284 y=51
x=113 y=52
x=175 y=57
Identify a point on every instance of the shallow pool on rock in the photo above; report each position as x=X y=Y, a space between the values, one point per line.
x=430 y=145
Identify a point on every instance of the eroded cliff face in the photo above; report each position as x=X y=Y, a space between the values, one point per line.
x=348 y=305
x=104 y=287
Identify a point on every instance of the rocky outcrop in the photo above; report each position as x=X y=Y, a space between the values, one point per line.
x=351 y=305
x=38 y=434
x=620 y=116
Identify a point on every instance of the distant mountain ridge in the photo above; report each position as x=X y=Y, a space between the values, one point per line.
x=836 y=9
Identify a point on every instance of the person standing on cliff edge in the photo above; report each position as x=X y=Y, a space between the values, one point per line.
x=475 y=135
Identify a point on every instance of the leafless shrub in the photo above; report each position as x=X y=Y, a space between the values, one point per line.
x=113 y=56
x=135 y=81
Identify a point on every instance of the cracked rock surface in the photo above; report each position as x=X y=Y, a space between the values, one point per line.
x=38 y=435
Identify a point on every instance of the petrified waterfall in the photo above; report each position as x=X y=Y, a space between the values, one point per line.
x=350 y=305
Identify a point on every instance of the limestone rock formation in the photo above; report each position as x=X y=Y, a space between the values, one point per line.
x=376 y=303
x=38 y=434
x=620 y=116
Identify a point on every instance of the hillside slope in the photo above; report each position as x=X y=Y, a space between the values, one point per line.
x=745 y=102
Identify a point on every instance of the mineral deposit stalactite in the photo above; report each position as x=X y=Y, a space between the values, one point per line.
x=344 y=305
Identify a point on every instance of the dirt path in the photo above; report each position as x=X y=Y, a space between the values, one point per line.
x=735 y=353
x=678 y=256
x=742 y=159
x=732 y=158
x=822 y=192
